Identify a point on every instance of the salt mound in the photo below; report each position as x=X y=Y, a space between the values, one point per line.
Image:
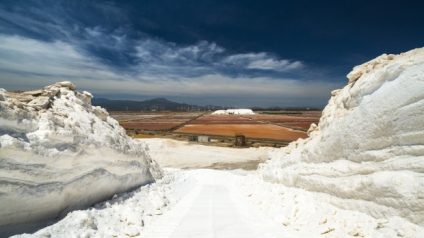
x=234 y=112
x=367 y=153
x=59 y=153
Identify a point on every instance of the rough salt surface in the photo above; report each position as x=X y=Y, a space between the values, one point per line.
x=367 y=153
x=125 y=215
x=226 y=203
x=59 y=153
x=234 y=112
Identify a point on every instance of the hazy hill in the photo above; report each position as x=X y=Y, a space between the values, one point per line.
x=156 y=104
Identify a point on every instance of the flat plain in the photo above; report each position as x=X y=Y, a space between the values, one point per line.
x=283 y=126
x=153 y=121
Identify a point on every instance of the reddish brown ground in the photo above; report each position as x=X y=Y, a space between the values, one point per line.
x=150 y=126
x=153 y=121
x=284 y=125
x=298 y=120
x=263 y=131
x=223 y=119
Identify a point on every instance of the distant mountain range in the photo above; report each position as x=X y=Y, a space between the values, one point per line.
x=163 y=104
x=156 y=104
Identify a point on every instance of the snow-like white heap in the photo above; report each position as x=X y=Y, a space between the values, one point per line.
x=234 y=112
x=59 y=153
x=367 y=153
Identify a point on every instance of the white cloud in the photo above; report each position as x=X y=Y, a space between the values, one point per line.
x=114 y=58
x=272 y=64
x=262 y=61
x=158 y=52
x=27 y=63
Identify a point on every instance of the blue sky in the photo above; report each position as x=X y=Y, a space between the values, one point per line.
x=231 y=53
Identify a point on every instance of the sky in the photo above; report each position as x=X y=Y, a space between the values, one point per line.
x=228 y=53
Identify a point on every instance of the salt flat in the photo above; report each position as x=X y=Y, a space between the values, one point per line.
x=214 y=207
x=180 y=154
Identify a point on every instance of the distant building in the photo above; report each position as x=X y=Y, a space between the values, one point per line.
x=240 y=140
x=203 y=139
